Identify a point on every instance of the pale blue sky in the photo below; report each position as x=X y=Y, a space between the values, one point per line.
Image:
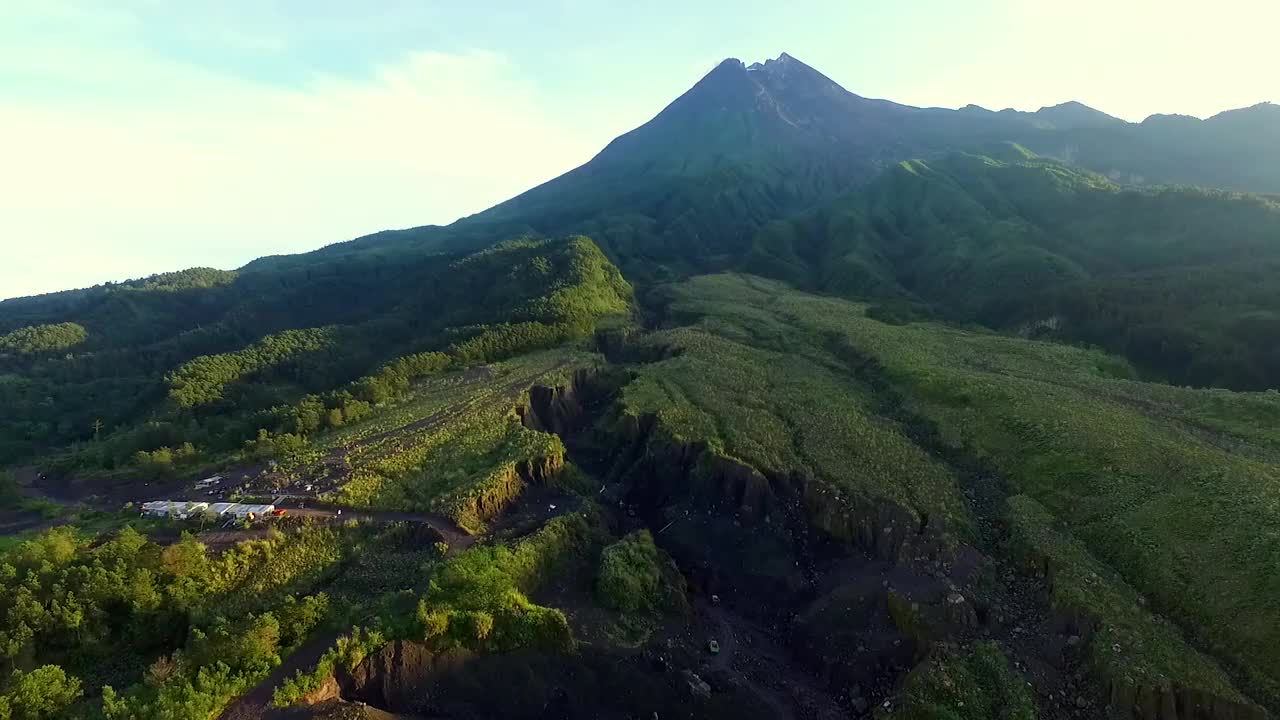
x=139 y=136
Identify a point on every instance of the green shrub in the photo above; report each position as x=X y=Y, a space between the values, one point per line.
x=979 y=685
x=45 y=693
x=347 y=653
x=203 y=380
x=629 y=575
x=477 y=598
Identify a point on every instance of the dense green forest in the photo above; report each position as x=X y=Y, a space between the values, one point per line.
x=220 y=378
x=1177 y=279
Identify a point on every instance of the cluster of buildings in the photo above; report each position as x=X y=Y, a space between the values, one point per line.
x=185 y=509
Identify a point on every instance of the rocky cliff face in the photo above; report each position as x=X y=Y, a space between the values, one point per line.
x=401 y=677
x=562 y=410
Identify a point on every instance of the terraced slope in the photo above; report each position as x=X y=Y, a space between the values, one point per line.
x=457 y=446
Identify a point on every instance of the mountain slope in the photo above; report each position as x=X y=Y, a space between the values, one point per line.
x=1137 y=503
x=752 y=168
x=1179 y=280
x=747 y=143
x=212 y=364
x=682 y=193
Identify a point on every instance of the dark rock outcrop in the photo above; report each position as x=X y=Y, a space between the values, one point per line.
x=401 y=676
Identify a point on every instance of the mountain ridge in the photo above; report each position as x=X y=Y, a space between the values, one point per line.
x=1069 y=131
x=812 y=140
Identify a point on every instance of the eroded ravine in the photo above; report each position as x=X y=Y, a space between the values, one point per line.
x=817 y=614
x=762 y=560
x=1050 y=644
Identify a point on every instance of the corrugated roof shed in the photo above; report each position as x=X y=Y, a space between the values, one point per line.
x=241 y=509
x=183 y=508
x=180 y=508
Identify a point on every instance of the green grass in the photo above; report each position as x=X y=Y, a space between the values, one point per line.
x=44 y=507
x=1176 y=490
x=1130 y=645
x=88 y=523
x=976 y=685
x=771 y=395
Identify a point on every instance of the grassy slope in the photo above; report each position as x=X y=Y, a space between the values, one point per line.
x=1173 y=489
x=775 y=398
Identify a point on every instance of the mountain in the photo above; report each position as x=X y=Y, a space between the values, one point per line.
x=789 y=403
x=773 y=168
x=684 y=192
x=744 y=144
x=1071 y=115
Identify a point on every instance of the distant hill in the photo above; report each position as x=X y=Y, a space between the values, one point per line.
x=1065 y=116
x=1234 y=150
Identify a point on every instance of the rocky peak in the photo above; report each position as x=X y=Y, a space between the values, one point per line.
x=775 y=65
x=787 y=69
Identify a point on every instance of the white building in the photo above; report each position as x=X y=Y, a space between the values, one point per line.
x=241 y=510
x=185 y=509
x=173 y=508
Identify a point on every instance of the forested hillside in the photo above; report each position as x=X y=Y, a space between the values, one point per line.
x=1180 y=280
x=211 y=359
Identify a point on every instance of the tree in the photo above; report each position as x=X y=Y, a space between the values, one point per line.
x=46 y=692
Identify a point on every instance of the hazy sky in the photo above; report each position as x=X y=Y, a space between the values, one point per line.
x=138 y=136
